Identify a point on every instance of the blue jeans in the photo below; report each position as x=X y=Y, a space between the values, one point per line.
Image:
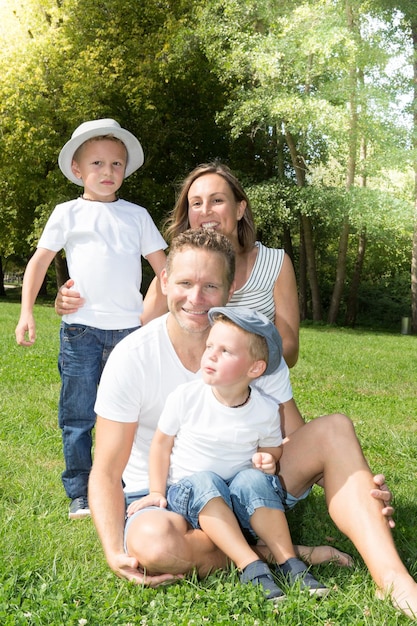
x=83 y=353
x=247 y=491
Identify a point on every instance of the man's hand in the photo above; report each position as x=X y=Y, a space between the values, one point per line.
x=68 y=301
x=383 y=493
x=127 y=567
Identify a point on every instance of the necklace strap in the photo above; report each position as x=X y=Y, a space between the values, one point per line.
x=237 y=406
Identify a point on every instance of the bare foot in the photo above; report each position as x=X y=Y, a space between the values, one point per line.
x=323 y=554
x=403 y=595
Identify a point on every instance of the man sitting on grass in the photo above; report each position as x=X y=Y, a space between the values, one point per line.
x=145 y=367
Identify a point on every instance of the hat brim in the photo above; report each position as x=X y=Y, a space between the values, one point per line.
x=135 y=157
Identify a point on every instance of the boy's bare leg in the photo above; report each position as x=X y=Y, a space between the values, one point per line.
x=219 y=522
x=328 y=448
x=271 y=526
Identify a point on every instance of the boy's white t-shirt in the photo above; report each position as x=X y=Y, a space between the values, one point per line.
x=213 y=437
x=104 y=243
x=142 y=370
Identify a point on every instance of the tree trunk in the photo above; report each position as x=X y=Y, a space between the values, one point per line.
x=352 y=304
x=2 y=289
x=340 y=273
x=414 y=247
x=311 y=268
x=302 y=279
x=350 y=181
x=299 y=168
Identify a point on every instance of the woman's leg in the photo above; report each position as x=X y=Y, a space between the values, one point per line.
x=328 y=448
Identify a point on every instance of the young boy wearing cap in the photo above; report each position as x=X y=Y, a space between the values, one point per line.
x=104 y=238
x=217 y=446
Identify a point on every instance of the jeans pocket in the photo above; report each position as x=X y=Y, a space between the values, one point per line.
x=73 y=332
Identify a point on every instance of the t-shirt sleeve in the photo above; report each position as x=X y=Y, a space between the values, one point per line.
x=119 y=396
x=54 y=236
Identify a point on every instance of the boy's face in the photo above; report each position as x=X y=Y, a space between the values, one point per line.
x=101 y=166
x=226 y=360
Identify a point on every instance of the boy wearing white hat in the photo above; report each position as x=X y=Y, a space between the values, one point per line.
x=104 y=238
x=217 y=446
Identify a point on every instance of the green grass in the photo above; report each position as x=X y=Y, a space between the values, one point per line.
x=53 y=571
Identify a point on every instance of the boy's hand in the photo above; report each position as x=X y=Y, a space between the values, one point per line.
x=26 y=325
x=153 y=499
x=265 y=462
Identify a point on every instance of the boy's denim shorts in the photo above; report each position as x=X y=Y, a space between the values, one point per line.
x=247 y=491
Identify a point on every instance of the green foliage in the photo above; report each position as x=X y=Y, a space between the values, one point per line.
x=221 y=79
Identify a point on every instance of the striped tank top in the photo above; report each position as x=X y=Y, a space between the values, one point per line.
x=258 y=291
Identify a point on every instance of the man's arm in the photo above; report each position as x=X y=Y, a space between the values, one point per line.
x=106 y=500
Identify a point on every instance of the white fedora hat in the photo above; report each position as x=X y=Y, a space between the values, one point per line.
x=97 y=128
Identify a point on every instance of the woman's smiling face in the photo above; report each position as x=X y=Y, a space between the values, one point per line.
x=211 y=204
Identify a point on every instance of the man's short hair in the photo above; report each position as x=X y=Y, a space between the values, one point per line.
x=204 y=239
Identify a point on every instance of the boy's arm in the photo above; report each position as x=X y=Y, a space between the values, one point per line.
x=155 y=303
x=32 y=282
x=159 y=457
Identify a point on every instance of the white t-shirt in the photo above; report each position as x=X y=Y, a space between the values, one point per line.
x=213 y=437
x=104 y=243
x=140 y=373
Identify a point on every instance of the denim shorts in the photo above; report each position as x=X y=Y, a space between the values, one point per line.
x=247 y=491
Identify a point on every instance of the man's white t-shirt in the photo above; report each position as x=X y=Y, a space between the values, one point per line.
x=210 y=436
x=142 y=370
x=104 y=243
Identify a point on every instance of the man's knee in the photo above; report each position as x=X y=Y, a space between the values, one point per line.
x=152 y=536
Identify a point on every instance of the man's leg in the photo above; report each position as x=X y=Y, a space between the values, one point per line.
x=328 y=448
x=163 y=542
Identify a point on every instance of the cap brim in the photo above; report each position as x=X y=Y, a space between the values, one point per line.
x=135 y=157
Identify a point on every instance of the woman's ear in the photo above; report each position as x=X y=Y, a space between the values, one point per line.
x=241 y=209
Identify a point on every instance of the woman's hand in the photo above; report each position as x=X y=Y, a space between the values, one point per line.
x=67 y=300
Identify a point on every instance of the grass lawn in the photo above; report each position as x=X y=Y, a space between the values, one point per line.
x=52 y=570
